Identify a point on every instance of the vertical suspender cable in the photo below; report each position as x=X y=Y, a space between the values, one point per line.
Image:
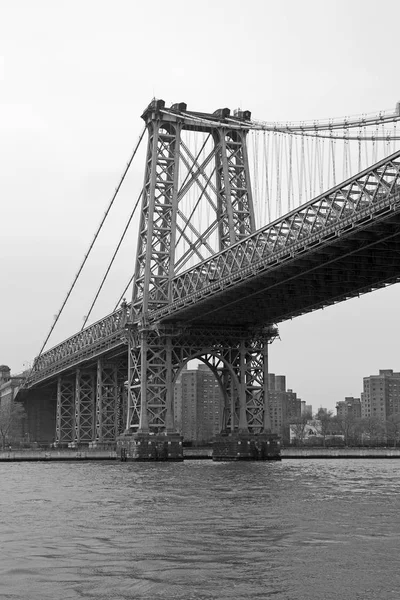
x=278 y=175
x=374 y=152
x=298 y=172
x=309 y=165
x=367 y=147
x=255 y=167
x=349 y=155
x=123 y=293
x=258 y=207
x=323 y=166
x=266 y=158
x=345 y=156
x=318 y=143
x=302 y=168
x=329 y=162
x=291 y=195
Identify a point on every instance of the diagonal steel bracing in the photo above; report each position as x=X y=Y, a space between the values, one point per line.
x=167 y=218
x=84 y=406
x=167 y=214
x=237 y=357
x=110 y=394
x=65 y=413
x=354 y=204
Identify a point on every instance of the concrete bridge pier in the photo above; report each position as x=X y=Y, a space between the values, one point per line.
x=150 y=447
x=246 y=446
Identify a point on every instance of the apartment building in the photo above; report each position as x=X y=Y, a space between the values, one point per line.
x=381 y=395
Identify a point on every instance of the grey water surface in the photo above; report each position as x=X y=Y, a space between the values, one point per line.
x=295 y=530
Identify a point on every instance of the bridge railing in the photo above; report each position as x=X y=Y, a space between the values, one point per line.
x=102 y=335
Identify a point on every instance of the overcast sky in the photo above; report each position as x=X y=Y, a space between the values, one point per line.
x=75 y=77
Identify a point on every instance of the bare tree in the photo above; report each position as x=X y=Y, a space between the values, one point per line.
x=373 y=427
x=12 y=415
x=325 y=417
x=298 y=426
x=347 y=425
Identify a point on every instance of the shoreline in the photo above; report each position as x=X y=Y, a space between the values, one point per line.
x=196 y=454
x=344 y=453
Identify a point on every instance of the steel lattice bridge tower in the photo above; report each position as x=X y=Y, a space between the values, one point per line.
x=218 y=298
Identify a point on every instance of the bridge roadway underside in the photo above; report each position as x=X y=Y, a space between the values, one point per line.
x=351 y=264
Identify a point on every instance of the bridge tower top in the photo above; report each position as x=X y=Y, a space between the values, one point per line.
x=196 y=197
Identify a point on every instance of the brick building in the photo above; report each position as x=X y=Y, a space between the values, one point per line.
x=198 y=405
x=349 y=407
x=9 y=384
x=284 y=405
x=381 y=395
x=14 y=426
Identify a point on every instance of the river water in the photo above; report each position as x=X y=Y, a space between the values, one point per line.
x=295 y=530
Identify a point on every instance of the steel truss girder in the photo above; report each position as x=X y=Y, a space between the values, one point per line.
x=156 y=241
x=162 y=203
x=235 y=205
x=237 y=358
x=109 y=400
x=91 y=404
x=84 y=406
x=346 y=207
x=65 y=413
x=106 y=335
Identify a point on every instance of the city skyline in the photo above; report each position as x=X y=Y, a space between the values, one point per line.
x=195 y=365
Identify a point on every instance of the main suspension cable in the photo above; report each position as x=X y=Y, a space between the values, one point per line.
x=121 y=239
x=123 y=294
x=93 y=241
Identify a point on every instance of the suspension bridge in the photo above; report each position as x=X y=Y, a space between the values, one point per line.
x=243 y=224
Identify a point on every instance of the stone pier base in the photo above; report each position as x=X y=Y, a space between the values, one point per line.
x=246 y=446
x=149 y=446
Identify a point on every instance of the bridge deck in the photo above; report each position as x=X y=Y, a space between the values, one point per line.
x=328 y=269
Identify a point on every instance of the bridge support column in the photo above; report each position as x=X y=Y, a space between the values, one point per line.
x=148 y=446
x=150 y=431
x=267 y=407
x=65 y=414
x=84 y=406
x=243 y=425
x=109 y=401
x=252 y=439
x=246 y=446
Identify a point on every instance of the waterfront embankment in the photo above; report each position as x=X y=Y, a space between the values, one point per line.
x=340 y=453
x=194 y=453
x=84 y=454
x=56 y=455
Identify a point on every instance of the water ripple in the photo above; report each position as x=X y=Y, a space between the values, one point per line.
x=296 y=530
